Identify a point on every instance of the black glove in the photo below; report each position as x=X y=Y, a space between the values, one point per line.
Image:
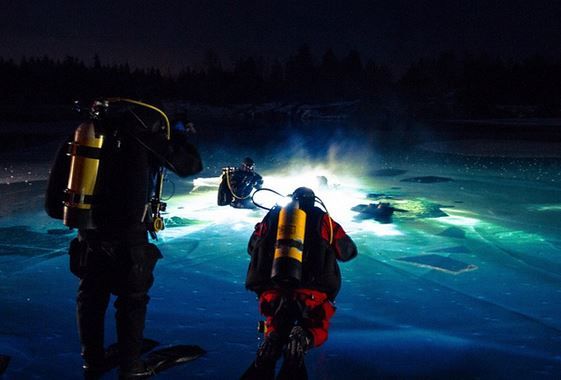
x=298 y=343
x=269 y=351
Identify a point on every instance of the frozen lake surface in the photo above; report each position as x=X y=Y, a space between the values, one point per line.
x=463 y=282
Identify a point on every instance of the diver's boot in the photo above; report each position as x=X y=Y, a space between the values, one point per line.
x=269 y=351
x=263 y=368
x=138 y=370
x=293 y=367
x=299 y=342
x=95 y=364
x=130 y=317
x=94 y=371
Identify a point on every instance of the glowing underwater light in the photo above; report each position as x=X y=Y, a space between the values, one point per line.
x=339 y=193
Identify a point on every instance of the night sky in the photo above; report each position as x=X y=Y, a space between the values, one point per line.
x=176 y=33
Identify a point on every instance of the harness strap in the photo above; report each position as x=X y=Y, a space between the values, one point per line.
x=75 y=149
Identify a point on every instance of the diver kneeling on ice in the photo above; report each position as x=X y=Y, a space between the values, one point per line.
x=238 y=183
x=106 y=181
x=294 y=271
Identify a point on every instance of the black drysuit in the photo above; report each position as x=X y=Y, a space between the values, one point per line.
x=115 y=257
x=236 y=187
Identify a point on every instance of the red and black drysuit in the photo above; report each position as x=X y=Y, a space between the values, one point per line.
x=310 y=305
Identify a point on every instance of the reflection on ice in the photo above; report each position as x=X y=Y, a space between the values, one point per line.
x=374 y=228
x=549 y=207
x=458 y=220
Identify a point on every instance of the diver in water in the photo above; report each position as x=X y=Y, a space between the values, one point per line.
x=295 y=274
x=106 y=182
x=237 y=185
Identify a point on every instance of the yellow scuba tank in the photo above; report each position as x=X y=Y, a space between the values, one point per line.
x=289 y=246
x=85 y=152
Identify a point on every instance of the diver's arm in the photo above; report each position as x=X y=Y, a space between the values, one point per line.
x=258 y=181
x=258 y=234
x=344 y=247
x=183 y=156
x=177 y=154
x=146 y=127
x=262 y=230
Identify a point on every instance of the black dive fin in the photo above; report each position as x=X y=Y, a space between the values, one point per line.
x=160 y=360
x=4 y=361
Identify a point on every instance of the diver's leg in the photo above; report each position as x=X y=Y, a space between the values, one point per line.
x=131 y=305
x=92 y=300
x=270 y=350
x=317 y=311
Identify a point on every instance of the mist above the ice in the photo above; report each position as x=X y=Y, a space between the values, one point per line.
x=333 y=161
x=336 y=150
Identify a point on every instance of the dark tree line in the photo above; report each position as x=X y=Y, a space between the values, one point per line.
x=44 y=80
x=299 y=78
x=484 y=86
x=444 y=86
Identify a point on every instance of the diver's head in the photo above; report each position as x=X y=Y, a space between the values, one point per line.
x=305 y=197
x=248 y=164
x=180 y=123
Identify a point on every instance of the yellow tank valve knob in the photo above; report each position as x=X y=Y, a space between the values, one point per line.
x=158 y=224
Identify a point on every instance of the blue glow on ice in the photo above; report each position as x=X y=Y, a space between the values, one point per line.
x=393 y=319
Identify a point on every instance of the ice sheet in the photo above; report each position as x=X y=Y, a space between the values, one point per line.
x=393 y=319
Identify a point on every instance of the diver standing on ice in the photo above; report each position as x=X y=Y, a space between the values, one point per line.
x=294 y=271
x=106 y=182
x=238 y=183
